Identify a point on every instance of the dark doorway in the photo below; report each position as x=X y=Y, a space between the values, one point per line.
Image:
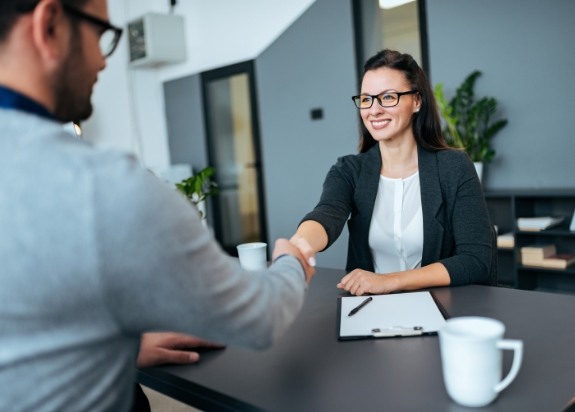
x=233 y=141
x=399 y=25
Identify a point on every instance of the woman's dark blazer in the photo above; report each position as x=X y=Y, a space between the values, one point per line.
x=456 y=227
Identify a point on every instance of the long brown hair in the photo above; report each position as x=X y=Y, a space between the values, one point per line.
x=425 y=124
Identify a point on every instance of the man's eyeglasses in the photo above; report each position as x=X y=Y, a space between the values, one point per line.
x=109 y=37
x=387 y=99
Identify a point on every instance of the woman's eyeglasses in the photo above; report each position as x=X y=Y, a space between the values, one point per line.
x=387 y=99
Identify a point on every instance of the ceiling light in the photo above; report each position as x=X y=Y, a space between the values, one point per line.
x=390 y=4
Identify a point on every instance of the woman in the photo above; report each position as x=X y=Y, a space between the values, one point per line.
x=414 y=207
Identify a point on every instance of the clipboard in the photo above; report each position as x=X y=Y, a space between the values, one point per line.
x=390 y=316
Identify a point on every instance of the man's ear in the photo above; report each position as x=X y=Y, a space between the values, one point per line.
x=50 y=31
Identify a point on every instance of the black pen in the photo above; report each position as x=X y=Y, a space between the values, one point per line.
x=361 y=305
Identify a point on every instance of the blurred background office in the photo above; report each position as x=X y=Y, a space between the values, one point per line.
x=263 y=90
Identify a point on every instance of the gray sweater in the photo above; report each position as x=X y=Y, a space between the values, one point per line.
x=456 y=227
x=95 y=250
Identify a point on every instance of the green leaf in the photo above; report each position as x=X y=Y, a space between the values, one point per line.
x=467 y=122
x=199 y=186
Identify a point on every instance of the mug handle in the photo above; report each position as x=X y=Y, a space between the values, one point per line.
x=517 y=347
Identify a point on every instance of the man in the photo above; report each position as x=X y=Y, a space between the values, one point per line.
x=95 y=251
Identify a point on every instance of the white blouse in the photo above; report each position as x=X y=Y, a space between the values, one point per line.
x=396 y=229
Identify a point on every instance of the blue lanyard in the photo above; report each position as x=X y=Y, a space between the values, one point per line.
x=10 y=99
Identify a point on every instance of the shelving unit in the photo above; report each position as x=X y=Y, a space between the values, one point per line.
x=505 y=207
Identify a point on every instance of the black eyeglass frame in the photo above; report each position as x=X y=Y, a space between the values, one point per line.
x=106 y=25
x=377 y=97
x=79 y=14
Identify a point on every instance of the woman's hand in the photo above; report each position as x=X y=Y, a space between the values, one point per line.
x=285 y=247
x=157 y=348
x=310 y=238
x=360 y=282
x=305 y=248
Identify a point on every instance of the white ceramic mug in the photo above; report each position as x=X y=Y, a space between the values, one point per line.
x=471 y=357
x=253 y=255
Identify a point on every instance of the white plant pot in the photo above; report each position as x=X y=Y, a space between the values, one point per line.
x=201 y=208
x=479 y=169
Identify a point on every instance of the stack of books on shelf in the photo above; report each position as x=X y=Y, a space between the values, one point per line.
x=545 y=255
x=536 y=224
x=506 y=240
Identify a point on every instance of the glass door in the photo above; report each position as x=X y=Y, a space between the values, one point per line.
x=233 y=144
x=390 y=24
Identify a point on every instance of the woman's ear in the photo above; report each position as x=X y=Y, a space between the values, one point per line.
x=417 y=103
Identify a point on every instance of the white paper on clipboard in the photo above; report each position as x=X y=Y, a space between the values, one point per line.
x=402 y=314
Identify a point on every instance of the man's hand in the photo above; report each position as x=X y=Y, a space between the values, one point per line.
x=158 y=348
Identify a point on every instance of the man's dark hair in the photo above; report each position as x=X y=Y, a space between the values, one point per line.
x=10 y=10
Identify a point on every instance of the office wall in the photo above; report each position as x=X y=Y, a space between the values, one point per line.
x=522 y=48
x=311 y=65
x=525 y=51
x=303 y=69
x=129 y=103
x=185 y=121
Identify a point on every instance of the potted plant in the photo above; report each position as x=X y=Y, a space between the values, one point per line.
x=468 y=122
x=198 y=187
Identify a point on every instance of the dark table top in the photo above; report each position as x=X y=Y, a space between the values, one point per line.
x=310 y=370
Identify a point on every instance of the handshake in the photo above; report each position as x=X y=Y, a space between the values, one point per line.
x=253 y=255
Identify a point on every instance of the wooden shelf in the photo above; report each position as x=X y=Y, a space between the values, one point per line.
x=568 y=270
x=556 y=231
x=505 y=207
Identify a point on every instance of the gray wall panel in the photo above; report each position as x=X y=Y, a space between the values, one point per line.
x=525 y=51
x=185 y=120
x=310 y=66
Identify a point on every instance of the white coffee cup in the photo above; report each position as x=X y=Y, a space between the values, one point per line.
x=253 y=255
x=471 y=357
